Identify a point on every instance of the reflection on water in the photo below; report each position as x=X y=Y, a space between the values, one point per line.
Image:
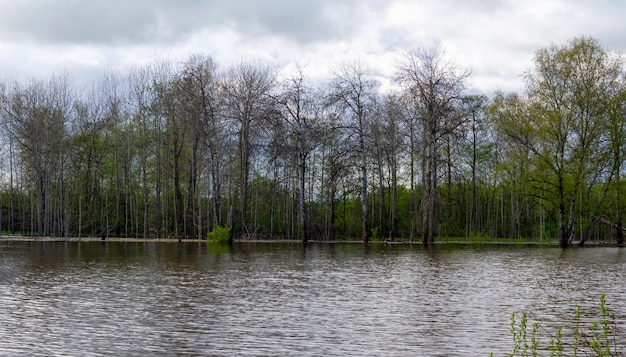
x=281 y=299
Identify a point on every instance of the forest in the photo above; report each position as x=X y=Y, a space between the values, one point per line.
x=182 y=149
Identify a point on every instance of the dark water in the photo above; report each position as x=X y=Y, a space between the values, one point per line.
x=140 y=299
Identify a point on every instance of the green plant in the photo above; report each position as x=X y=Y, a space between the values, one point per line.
x=375 y=236
x=602 y=333
x=520 y=337
x=219 y=234
x=598 y=341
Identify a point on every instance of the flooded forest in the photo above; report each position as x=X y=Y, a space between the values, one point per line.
x=180 y=149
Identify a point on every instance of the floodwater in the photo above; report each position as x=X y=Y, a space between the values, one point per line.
x=259 y=299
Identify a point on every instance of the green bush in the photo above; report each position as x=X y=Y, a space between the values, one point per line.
x=375 y=236
x=595 y=339
x=219 y=234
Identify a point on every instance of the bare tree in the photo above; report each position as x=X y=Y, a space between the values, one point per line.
x=389 y=147
x=141 y=92
x=435 y=86
x=354 y=92
x=298 y=111
x=477 y=146
x=199 y=73
x=246 y=88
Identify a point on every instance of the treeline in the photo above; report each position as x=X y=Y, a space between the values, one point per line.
x=179 y=149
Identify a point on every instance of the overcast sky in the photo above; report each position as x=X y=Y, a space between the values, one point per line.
x=495 y=39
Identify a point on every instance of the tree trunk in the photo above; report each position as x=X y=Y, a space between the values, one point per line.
x=365 y=226
x=178 y=195
x=429 y=201
x=244 y=169
x=302 y=171
x=618 y=208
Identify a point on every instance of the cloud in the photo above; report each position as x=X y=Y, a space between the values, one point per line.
x=301 y=21
x=78 y=22
x=115 y=22
x=496 y=39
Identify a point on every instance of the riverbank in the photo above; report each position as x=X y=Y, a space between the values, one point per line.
x=10 y=238
x=439 y=241
x=457 y=241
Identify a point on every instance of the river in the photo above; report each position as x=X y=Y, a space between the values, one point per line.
x=259 y=299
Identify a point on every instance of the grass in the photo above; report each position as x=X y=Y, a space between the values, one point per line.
x=9 y=233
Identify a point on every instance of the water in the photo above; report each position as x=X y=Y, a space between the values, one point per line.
x=115 y=298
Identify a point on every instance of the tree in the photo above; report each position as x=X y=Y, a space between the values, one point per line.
x=616 y=106
x=298 y=111
x=246 y=88
x=435 y=87
x=91 y=128
x=477 y=146
x=199 y=86
x=140 y=96
x=36 y=117
x=335 y=151
x=200 y=74
x=353 y=92
x=412 y=132
x=387 y=146
x=561 y=122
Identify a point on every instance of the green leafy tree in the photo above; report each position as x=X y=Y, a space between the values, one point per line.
x=559 y=124
x=36 y=115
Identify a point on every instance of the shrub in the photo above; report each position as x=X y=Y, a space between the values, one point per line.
x=375 y=236
x=219 y=234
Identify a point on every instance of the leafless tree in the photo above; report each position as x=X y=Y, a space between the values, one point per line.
x=246 y=87
x=298 y=110
x=199 y=74
x=354 y=92
x=435 y=87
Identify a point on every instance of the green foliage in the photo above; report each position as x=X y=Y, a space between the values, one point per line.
x=599 y=340
x=520 y=338
x=557 y=132
x=375 y=235
x=219 y=234
x=152 y=161
x=271 y=216
x=348 y=219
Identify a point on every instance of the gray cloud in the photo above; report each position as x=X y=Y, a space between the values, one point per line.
x=162 y=21
x=495 y=38
x=75 y=21
x=302 y=21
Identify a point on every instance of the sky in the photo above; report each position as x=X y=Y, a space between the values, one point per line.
x=495 y=39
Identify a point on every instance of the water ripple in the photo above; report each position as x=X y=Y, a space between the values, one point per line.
x=159 y=299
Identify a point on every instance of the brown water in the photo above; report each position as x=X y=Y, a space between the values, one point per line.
x=114 y=298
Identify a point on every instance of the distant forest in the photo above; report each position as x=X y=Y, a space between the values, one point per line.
x=181 y=149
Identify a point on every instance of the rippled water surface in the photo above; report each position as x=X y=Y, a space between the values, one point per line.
x=88 y=299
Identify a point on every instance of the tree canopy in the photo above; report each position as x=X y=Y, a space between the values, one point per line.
x=180 y=150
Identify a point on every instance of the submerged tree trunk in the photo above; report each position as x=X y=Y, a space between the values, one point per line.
x=429 y=200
